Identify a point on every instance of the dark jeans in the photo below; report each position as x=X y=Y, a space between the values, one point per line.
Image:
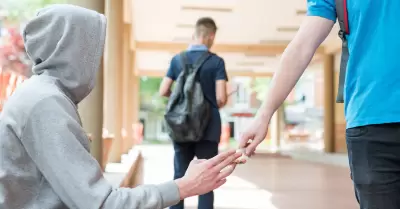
x=184 y=153
x=374 y=156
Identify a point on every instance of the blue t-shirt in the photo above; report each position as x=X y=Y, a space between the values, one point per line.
x=372 y=87
x=212 y=70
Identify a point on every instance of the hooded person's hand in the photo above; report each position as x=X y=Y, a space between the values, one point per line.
x=203 y=176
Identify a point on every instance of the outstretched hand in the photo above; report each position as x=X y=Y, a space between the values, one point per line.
x=203 y=176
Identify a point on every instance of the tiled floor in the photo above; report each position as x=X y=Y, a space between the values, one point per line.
x=266 y=183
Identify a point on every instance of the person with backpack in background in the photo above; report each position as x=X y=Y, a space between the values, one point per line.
x=369 y=85
x=192 y=117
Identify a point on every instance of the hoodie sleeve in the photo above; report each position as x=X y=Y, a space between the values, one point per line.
x=56 y=142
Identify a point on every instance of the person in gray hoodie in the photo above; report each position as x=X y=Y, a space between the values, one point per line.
x=45 y=161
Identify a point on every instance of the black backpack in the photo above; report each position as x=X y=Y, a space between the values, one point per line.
x=188 y=111
x=343 y=20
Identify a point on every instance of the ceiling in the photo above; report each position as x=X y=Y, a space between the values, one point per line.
x=240 y=22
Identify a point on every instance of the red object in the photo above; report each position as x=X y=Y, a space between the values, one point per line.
x=346 y=17
x=14 y=64
x=225 y=135
x=12 y=53
x=246 y=115
x=138 y=133
x=7 y=85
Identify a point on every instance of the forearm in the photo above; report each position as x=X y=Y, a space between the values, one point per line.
x=294 y=61
x=221 y=103
x=145 y=197
x=166 y=94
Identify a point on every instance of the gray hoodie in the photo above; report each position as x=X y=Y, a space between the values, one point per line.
x=44 y=152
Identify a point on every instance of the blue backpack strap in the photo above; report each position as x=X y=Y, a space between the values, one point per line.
x=343 y=20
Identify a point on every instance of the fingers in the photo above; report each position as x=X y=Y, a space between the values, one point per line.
x=220 y=158
x=251 y=148
x=228 y=161
x=244 y=138
x=252 y=154
x=219 y=183
x=227 y=171
x=242 y=160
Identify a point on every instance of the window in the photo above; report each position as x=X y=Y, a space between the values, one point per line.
x=243 y=94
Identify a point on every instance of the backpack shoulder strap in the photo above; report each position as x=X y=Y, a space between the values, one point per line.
x=343 y=20
x=184 y=61
x=200 y=61
x=342 y=15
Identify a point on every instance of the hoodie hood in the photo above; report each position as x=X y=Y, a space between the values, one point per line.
x=66 y=42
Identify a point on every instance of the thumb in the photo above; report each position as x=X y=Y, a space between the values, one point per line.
x=251 y=148
x=219 y=183
x=244 y=138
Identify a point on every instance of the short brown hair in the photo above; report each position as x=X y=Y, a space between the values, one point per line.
x=205 y=25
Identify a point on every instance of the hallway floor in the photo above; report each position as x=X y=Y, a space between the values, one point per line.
x=266 y=183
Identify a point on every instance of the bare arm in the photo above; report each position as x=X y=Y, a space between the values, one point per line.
x=221 y=78
x=222 y=96
x=294 y=61
x=170 y=77
x=165 y=87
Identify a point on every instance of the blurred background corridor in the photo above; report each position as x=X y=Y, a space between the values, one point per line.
x=302 y=162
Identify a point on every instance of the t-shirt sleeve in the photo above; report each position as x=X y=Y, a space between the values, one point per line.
x=322 y=8
x=172 y=69
x=221 y=71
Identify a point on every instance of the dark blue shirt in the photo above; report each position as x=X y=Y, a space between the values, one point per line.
x=212 y=70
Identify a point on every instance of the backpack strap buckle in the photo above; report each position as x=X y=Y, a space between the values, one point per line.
x=342 y=35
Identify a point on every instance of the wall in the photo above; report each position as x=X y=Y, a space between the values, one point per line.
x=319 y=89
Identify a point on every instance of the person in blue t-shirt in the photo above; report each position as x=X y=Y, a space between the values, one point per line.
x=371 y=93
x=213 y=77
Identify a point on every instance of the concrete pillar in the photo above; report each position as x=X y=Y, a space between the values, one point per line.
x=340 y=121
x=110 y=82
x=114 y=47
x=135 y=103
x=276 y=129
x=127 y=90
x=329 y=102
x=91 y=108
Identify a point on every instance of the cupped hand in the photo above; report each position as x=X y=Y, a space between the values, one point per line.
x=203 y=176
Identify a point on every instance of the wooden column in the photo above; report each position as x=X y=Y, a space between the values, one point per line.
x=114 y=47
x=135 y=103
x=127 y=91
x=91 y=108
x=329 y=102
x=340 y=121
x=276 y=129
